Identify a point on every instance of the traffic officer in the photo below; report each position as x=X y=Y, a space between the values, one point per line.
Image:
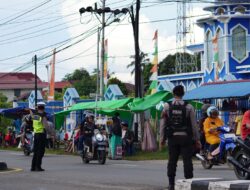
x=40 y=124
x=181 y=131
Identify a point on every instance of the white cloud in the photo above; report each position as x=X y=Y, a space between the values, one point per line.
x=120 y=40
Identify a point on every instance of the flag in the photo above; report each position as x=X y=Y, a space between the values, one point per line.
x=154 y=69
x=52 y=77
x=216 y=57
x=105 y=67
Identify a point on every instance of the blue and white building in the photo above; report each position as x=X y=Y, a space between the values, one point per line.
x=229 y=23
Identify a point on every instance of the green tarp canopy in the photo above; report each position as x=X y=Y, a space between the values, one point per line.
x=148 y=102
x=102 y=107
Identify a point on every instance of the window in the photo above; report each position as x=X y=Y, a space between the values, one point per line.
x=221 y=48
x=239 y=43
x=220 y=11
x=17 y=92
x=240 y=9
x=209 y=50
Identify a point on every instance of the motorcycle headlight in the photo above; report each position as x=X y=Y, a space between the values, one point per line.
x=99 y=137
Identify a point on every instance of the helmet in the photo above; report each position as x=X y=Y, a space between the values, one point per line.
x=211 y=110
x=124 y=123
x=41 y=104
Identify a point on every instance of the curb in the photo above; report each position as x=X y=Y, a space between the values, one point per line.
x=3 y=166
x=212 y=184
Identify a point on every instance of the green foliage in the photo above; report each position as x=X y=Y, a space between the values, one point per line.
x=4 y=122
x=84 y=82
x=58 y=96
x=119 y=83
x=167 y=65
x=78 y=74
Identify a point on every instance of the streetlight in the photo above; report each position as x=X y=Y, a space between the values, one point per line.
x=102 y=11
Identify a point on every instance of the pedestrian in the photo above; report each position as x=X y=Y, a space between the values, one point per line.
x=245 y=127
x=1 y=138
x=40 y=124
x=116 y=137
x=127 y=139
x=238 y=122
x=181 y=132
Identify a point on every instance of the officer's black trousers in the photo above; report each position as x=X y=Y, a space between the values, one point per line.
x=180 y=145
x=39 y=150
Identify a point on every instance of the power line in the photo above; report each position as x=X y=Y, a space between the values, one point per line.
x=26 y=12
x=35 y=26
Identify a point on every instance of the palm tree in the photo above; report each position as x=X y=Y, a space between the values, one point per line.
x=143 y=60
x=145 y=69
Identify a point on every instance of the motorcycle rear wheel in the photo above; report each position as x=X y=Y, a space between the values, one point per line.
x=206 y=165
x=242 y=158
x=102 y=156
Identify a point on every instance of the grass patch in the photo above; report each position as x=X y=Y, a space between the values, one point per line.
x=140 y=156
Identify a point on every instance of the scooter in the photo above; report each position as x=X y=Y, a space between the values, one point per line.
x=225 y=148
x=241 y=158
x=28 y=143
x=96 y=151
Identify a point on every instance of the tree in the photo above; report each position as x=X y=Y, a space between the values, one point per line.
x=78 y=74
x=84 y=83
x=119 y=83
x=145 y=68
x=167 y=65
x=3 y=120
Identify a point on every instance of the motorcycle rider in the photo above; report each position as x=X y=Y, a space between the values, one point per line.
x=40 y=124
x=88 y=128
x=211 y=124
x=26 y=127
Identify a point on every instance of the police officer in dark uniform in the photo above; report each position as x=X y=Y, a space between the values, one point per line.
x=181 y=132
x=40 y=124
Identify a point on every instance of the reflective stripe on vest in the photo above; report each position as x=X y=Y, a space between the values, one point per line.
x=37 y=124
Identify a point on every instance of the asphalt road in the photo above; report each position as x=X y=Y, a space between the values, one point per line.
x=69 y=173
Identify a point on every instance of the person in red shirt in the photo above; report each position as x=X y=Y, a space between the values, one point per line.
x=245 y=127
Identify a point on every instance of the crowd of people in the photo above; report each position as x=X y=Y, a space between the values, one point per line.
x=120 y=137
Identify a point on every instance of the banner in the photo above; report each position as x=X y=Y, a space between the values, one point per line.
x=154 y=69
x=105 y=67
x=52 y=77
x=216 y=58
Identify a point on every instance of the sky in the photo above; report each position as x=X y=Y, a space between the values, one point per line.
x=36 y=27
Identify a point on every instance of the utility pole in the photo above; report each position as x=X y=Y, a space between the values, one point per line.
x=35 y=63
x=102 y=53
x=98 y=62
x=102 y=11
x=135 y=24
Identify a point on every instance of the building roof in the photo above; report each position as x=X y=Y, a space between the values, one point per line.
x=24 y=80
x=130 y=87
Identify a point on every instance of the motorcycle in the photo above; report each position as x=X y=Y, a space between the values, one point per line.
x=225 y=148
x=241 y=158
x=97 y=150
x=28 y=143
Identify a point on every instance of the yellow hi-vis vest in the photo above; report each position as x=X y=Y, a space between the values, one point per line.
x=37 y=124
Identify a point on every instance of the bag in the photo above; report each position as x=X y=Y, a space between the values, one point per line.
x=177 y=120
x=119 y=151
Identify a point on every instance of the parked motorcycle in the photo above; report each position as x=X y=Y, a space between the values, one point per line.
x=241 y=158
x=97 y=150
x=28 y=143
x=220 y=154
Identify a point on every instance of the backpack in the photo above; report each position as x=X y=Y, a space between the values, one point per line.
x=177 y=120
